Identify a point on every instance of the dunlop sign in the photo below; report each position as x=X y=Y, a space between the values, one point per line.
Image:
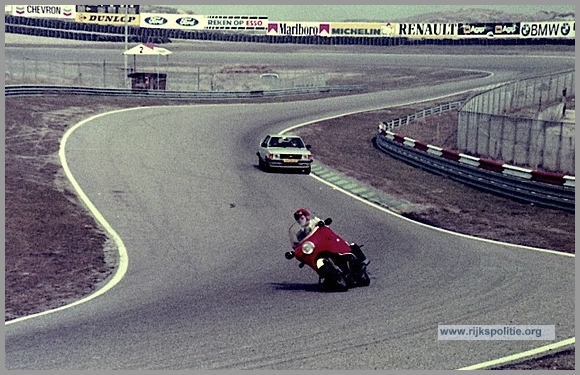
x=108 y=19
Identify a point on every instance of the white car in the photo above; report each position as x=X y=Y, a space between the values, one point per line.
x=285 y=152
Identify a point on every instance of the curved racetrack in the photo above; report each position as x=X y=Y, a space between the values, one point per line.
x=203 y=232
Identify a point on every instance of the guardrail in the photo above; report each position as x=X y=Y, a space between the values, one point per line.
x=540 y=187
x=391 y=125
x=44 y=90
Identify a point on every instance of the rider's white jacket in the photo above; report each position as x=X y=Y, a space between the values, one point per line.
x=298 y=233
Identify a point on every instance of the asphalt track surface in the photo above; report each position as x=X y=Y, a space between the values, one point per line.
x=200 y=233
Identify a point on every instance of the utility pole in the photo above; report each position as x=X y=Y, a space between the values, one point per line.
x=126 y=42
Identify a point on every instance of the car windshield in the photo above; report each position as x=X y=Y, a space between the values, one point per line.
x=293 y=142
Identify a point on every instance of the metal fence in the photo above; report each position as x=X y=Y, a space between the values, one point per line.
x=393 y=124
x=521 y=123
x=107 y=74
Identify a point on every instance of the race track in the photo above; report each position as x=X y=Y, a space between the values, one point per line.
x=206 y=284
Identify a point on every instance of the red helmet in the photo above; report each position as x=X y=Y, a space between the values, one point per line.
x=301 y=211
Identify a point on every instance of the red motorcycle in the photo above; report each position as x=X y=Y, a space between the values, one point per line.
x=339 y=265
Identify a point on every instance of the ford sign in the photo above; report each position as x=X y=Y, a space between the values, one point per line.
x=187 y=21
x=155 y=20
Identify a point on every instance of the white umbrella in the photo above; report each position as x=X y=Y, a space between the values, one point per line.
x=148 y=49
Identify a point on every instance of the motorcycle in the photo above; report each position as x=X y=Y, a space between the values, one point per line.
x=339 y=265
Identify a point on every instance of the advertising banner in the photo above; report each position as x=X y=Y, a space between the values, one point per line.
x=362 y=29
x=428 y=30
x=489 y=30
x=298 y=28
x=237 y=22
x=507 y=30
x=108 y=19
x=118 y=9
x=44 y=11
x=562 y=29
x=200 y=22
x=172 y=21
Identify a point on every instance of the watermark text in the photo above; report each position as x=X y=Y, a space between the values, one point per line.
x=496 y=332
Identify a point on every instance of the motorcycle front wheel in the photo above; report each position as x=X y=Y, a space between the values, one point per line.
x=364 y=279
x=332 y=278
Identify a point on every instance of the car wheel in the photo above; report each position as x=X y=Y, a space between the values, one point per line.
x=260 y=163
x=307 y=170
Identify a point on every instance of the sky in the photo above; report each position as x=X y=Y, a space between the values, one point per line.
x=348 y=12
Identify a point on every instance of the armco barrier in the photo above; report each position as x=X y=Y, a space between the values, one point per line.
x=44 y=90
x=539 y=187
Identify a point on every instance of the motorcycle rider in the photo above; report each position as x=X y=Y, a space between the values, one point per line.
x=303 y=226
x=338 y=265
